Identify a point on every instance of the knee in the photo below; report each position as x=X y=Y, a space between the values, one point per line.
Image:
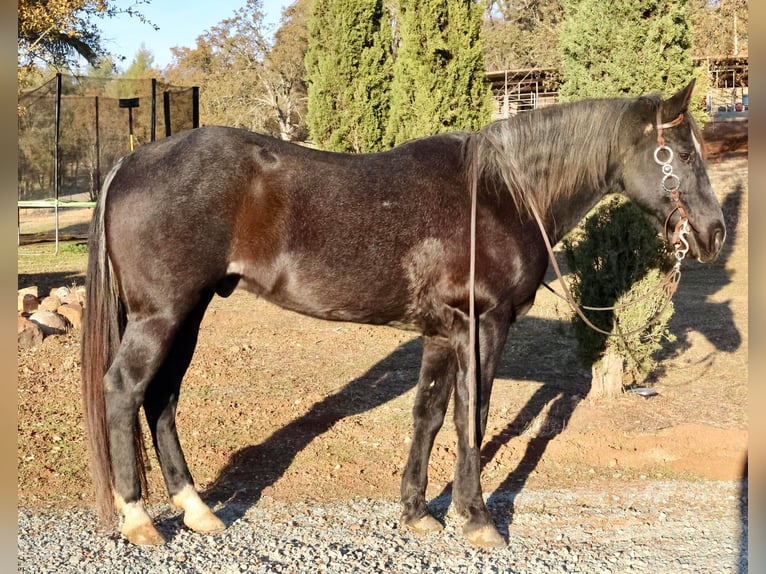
x=121 y=405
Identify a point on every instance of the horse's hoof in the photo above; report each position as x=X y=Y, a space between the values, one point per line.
x=137 y=525
x=486 y=537
x=204 y=522
x=197 y=514
x=143 y=535
x=423 y=525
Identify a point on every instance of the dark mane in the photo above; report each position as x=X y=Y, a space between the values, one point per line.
x=552 y=152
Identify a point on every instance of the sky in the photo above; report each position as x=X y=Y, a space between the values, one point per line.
x=180 y=22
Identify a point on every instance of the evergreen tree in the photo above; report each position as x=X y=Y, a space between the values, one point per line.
x=622 y=48
x=348 y=71
x=438 y=71
x=617 y=260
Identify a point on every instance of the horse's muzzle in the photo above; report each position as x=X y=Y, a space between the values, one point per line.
x=709 y=250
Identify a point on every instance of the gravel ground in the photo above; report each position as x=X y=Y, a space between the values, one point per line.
x=639 y=527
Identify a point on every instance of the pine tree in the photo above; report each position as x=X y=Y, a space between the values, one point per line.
x=438 y=71
x=617 y=260
x=348 y=70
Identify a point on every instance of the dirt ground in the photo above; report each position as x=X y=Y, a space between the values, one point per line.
x=286 y=406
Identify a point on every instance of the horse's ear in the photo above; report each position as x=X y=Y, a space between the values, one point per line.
x=678 y=103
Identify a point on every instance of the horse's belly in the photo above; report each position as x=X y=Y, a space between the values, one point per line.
x=324 y=292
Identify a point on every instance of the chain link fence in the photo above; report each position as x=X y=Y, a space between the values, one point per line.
x=72 y=129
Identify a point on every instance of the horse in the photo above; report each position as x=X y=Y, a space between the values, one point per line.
x=383 y=239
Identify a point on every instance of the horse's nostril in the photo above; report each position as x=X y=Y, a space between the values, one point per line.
x=718 y=238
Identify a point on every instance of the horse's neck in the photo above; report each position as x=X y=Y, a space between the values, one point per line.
x=585 y=177
x=566 y=212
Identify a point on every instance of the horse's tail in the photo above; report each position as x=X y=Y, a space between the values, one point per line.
x=103 y=324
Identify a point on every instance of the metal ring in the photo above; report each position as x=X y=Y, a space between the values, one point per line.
x=674 y=187
x=661 y=149
x=667 y=169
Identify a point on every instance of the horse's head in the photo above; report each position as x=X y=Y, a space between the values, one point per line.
x=664 y=172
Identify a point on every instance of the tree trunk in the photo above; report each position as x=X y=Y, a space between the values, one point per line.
x=607 y=376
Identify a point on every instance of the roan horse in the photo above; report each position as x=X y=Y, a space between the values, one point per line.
x=383 y=239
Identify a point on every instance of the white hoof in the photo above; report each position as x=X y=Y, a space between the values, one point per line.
x=197 y=514
x=137 y=525
x=423 y=525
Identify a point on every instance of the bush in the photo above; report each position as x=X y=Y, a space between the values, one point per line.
x=617 y=259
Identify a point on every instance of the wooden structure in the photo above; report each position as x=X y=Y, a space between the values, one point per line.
x=525 y=89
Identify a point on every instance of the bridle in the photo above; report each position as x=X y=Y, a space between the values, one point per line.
x=671 y=184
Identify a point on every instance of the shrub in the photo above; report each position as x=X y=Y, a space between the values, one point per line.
x=617 y=259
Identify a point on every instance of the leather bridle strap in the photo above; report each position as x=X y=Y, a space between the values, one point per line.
x=670 y=182
x=671 y=124
x=471 y=377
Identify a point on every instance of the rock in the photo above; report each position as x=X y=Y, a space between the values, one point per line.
x=27 y=294
x=60 y=292
x=72 y=312
x=71 y=297
x=50 y=303
x=51 y=323
x=29 y=290
x=30 y=334
x=80 y=292
x=28 y=303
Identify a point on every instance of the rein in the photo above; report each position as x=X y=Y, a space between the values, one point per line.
x=471 y=374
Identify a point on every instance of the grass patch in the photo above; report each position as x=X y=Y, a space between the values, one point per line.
x=38 y=264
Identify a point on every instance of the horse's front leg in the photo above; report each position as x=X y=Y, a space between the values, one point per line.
x=467 y=494
x=438 y=371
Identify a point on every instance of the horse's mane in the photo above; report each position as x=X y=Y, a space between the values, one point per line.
x=551 y=152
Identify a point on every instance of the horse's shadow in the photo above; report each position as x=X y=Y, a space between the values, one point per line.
x=240 y=483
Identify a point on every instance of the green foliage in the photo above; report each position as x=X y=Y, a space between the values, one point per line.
x=618 y=259
x=623 y=48
x=439 y=71
x=74 y=247
x=348 y=71
x=142 y=65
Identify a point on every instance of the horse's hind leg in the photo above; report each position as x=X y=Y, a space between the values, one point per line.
x=437 y=377
x=160 y=409
x=141 y=353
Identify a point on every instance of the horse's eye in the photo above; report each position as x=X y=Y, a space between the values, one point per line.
x=686 y=157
